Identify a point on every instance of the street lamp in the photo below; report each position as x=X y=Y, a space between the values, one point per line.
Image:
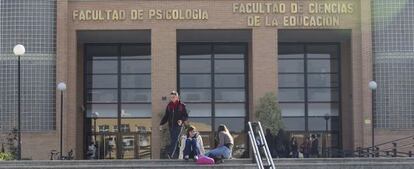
x=61 y=87
x=18 y=51
x=373 y=86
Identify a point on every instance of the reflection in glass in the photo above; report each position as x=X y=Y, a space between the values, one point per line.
x=323 y=80
x=102 y=66
x=136 y=81
x=136 y=110
x=234 y=80
x=291 y=66
x=322 y=66
x=324 y=94
x=195 y=66
x=291 y=80
x=291 y=94
x=136 y=66
x=104 y=110
x=102 y=95
x=292 y=109
x=196 y=95
x=102 y=81
x=188 y=80
x=230 y=95
x=322 y=109
x=199 y=110
x=294 y=123
x=230 y=110
x=136 y=95
x=229 y=66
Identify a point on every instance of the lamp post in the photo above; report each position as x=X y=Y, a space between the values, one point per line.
x=61 y=87
x=326 y=117
x=373 y=86
x=18 y=51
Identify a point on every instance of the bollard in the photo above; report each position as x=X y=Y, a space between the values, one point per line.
x=394 y=149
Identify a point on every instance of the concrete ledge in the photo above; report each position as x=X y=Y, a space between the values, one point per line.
x=319 y=163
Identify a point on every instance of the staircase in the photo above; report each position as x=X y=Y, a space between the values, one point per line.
x=320 y=163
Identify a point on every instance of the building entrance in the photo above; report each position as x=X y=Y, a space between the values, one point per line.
x=309 y=93
x=118 y=100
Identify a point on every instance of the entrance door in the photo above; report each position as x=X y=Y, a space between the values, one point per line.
x=118 y=100
x=213 y=84
x=309 y=92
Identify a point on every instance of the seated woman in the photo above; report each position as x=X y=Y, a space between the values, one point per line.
x=191 y=144
x=225 y=146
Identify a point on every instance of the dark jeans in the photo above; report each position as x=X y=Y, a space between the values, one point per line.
x=174 y=136
x=191 y=148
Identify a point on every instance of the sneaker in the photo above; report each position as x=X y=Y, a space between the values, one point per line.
x=195 y=158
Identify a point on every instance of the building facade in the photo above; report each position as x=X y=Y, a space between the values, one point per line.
x=121 y=59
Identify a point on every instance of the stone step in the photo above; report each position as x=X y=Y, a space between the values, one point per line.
x=318 y=163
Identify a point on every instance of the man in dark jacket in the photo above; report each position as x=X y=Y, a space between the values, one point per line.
x=175 y=114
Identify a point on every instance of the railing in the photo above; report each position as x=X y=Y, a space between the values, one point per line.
x=401 y=147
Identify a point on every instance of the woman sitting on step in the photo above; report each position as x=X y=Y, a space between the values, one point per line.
x=191 y=144
x=225 y=146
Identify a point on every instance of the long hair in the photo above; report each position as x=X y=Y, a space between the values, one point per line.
x=223 y=127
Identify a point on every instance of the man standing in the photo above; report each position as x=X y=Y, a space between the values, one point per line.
x=175 y=114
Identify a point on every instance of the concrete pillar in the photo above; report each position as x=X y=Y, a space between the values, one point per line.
x=164 y=78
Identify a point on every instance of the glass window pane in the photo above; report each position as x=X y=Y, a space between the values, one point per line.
x=324 y=94
x=196 y=95
x=322 y=80
x=199 y=110
x=322 y=51
x=135 y=52
x=195 y=51
x=291 y=66
x=291 y=80
x=291 y=51
x=102 y=52
x=319 y=123
x=195 y=66
x=294 y=123
x=102 y=95
x=102 y=110
x=229 y=66
x=136 y=95
x=203 y=125
x=229 y=51
x=230 y=110
x=136 y=110
x=102 y=81
x=236 y=125
x=136 y=81
x=322 y=109
x=322 y=66
x=102 y=66
x=292 y=109
x=195 y=80
x=291 y=95
x=229 y=80
x=230 y=95
x=136 y=66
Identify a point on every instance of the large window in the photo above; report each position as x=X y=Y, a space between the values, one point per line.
x=118 y=99
x=309 y=89
x=212 y=83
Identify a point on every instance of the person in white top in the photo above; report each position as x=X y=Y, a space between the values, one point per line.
x=191 y=144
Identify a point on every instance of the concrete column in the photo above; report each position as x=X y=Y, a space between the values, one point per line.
x=164 y=78
x=262 y=66
x=358 y=118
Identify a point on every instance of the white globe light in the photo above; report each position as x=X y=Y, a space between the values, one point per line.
x=61 y=86
x=19 y=50
x=373 y=85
